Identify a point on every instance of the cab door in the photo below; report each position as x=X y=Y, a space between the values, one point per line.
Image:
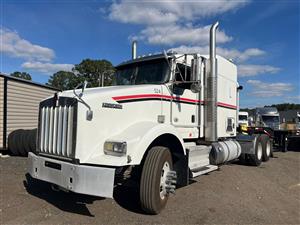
x=185 y=103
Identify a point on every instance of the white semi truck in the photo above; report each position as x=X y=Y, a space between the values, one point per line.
x=243 y=118
x=168 y=118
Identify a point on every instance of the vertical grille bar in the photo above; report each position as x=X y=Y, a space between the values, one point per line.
x=59 y=131
x=55 y=120
x=46 y=129
x=50 y=149
x=70 y=131
x=42 y=129
x=64 y=131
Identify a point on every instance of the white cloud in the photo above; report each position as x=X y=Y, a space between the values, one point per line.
x=234 y=54
x=166 y=12
x=244 y=70
x=262 y=89
x=176 y=34
x=47 y=68
x=13 y=45
x=172 y=23
x=253 y=70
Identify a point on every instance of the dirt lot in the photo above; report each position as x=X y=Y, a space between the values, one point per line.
x=240 y=194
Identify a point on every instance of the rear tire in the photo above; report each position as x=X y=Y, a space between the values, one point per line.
x=32 y=140
x=26 y=141
x=12 y=147
x=152 y=194
x=266 y=144
x=256 y=159
x=272 y=145
x=21 y=140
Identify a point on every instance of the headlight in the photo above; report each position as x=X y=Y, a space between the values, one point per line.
x=115 y=148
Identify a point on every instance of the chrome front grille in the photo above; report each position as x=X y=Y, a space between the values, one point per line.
x=57 y=127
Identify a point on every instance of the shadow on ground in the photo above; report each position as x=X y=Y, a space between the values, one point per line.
x=68 y=202
x=126 y=197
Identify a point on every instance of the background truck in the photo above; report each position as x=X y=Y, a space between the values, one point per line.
x=268 y=119
x=243 y=118
x=167 y=119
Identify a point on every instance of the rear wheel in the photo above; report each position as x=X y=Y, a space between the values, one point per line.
x=266 y=144
x=256 y=159
x=153 y=192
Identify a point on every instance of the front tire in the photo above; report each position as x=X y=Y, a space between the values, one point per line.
x=153 y=195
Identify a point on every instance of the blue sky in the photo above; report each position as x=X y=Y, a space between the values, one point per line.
x=262 y=37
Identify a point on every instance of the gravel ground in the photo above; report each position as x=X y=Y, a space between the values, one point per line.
x=236 y=194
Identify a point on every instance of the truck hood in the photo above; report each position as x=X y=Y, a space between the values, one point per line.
x=114 y=110
x=112 y=91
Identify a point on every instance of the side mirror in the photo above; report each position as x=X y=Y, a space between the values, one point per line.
x=239 y=88
x=196 y=87
x=196 y=65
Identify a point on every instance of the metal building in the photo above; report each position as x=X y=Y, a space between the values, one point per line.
x=19 y=101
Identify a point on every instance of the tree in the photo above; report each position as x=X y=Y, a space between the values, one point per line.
x=93 y=70
x=22 y=75
x=64 y=80
x=280 y=107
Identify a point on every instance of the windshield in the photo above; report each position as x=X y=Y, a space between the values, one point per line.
x=270 y=119
x=243 y=117
x=147 y=72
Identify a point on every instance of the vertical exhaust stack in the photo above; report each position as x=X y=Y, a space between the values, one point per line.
x=211 y=128
x=133 y=49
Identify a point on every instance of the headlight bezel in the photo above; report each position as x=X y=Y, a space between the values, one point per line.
x=115 y=148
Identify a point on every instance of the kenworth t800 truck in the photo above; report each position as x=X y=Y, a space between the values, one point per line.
x=168 y=118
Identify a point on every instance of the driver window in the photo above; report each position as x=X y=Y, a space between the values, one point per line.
x=183 y=74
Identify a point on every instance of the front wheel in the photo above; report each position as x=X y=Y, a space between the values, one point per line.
x=153 y=191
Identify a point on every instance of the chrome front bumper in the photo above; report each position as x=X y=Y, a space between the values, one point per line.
x=91 y=180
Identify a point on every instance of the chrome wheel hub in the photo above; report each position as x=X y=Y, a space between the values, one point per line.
x=163 y=179
x=259 y=151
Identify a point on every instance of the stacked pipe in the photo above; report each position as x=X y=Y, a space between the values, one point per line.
x=211 y=110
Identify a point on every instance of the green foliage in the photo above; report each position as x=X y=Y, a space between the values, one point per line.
x=22 y=75
x=64 y=80
x=280 y=107
x=89 y=70
x=286 y=106
x=93 y=70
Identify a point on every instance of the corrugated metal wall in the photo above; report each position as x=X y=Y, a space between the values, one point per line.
x=1 y=109
x=23 y=100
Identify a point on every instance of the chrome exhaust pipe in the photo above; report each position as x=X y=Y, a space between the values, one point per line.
x=211 y=130
x=133 y=49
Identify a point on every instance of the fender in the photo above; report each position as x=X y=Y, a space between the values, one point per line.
x=140 y=135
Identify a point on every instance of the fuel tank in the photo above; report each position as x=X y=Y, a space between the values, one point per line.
x=224 y=151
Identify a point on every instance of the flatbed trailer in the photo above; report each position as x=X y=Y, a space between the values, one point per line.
x=283 y=140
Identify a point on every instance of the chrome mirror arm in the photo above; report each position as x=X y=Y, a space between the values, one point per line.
x=89 y=113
